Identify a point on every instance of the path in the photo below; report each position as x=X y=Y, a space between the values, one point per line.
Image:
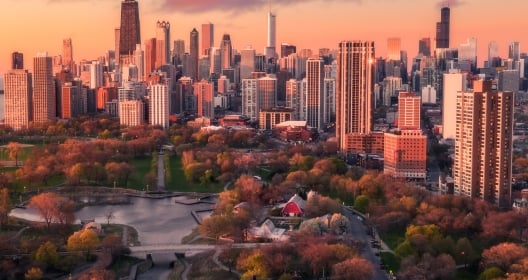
x=218 y=251
x=17 y=235
x=161 y=173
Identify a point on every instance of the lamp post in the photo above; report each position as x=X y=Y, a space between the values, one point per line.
x=464 y=258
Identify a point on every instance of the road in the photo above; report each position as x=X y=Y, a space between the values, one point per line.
x=359 y=233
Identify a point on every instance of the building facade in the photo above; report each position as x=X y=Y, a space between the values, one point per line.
x=483 y=144
x=44 y=99
x=159 y=105
x=18 y=93
x=131 y=112
x=354 y=90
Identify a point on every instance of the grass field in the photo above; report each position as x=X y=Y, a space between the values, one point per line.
x=392 y=238
x=24 y=152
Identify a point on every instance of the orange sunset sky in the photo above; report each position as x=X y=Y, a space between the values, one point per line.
x=32 y=26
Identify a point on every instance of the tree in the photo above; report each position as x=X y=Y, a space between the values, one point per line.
x=4 y=206
x=100 y=274
x=355 y=268
x=14 y=151
x=503 y=255
x=253 y=265
x=109 y=215
x=34 y=273
x=115 y=244
x=47 y=253
x=52 y=207
x=216 y=226
x=85 y=240
x=491 y=273
x=362 y=203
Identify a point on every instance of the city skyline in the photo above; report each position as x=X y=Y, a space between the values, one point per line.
x=39 y=31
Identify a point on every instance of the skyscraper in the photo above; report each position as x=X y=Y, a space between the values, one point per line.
x=467 y=55
x=424 y=46
x=453 y=83
x=129 y=31
x=226 y=52
x=178 y=52
x=67 y=54
x=272 y=34
x=514 y=51
x=18 y=104
x=247 y=62
x=314 y=93
x=162 y=43
x=43 y=89
x=150 y=56
x=394 y=49
x=207 y=37
x=287 y=49
x=493 y=54
x=354 y=90
x=17 y=60
x=409 y=107
x=483 y=144
x=193 y=54
x=442 y=29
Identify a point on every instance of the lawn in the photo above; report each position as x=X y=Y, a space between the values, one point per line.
x=392 y=238
x=25 y=151
x=389 y=259
x=176 y=182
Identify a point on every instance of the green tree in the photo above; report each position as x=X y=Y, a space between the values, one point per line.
x=491 y=273
x=47 y=253
x=362 y=203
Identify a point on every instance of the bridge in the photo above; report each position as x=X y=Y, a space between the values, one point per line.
x=187 y=248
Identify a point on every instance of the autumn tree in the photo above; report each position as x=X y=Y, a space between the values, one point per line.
x=215 y=226
x=355 y=268
x=252 y=264
x=14 y=149
x=4 y=206
x=52 y=207
x=503 y=256
x=114 y=243
x=85 y=240
x=33 y=273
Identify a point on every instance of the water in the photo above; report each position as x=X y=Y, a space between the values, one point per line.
x=158 y=221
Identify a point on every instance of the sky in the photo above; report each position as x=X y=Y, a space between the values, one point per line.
x=33 y=26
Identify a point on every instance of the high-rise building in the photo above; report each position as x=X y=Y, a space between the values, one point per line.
x=493 y=54
x=162 y=43
x=453 y=83
x=129 y=31
x=139 y=57
x=207 y=37
x=293 y=98
x=467 y=55
x=442 y=29
x=354 y=90
x=204 y=95
x=159 y=105
x=424 y=46
x=17 y=60
x=314 y=105
x=178 y=52
x=72 y=103
x=96 y=74
x=193 y=54
x=150 y=56
x=514 y=51
x=247 y=62
x=483 y=144
x=18 y=103
x=272 y=35
x=257 y=94
x=409 y=107
x=67 y=54
x=287 y=49
x=394 y=49
x=226 y=52
x=131 y=112
x=43 y=89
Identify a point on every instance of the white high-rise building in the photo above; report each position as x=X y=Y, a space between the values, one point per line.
x=467 y=54
x=390 y=87
x=159 y=105
x=272 y=44
x=293 y=98
x=131 y=112
x=96 y=74
x=454 y=82
x=258 y=94
x=429 y=94
x=139 y=56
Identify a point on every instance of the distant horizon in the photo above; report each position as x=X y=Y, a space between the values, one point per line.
x=312 y=24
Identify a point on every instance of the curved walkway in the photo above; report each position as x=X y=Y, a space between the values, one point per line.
x=17 y=235
x=218 y=251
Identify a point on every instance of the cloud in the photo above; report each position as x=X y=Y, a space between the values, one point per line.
x=197 y=6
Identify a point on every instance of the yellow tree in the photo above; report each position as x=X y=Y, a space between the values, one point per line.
x=85 y=240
